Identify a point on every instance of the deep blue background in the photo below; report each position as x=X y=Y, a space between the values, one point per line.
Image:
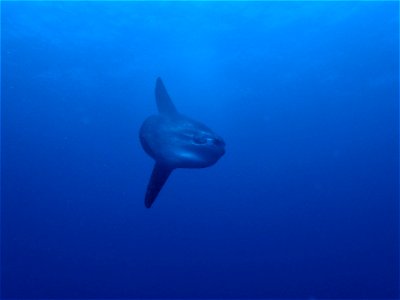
x=303 y=204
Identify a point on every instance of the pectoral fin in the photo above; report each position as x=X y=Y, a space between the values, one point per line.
x=157 y=180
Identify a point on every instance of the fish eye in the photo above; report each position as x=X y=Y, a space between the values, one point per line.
x=199 y=139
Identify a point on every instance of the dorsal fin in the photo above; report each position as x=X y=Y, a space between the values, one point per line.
x=158 y=178
x=164 y=102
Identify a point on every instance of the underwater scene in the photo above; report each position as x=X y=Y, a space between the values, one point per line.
x=199 y=149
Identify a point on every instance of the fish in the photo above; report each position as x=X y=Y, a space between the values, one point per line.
x=175 y=141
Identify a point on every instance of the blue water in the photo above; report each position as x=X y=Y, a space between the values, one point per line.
x=304 y=204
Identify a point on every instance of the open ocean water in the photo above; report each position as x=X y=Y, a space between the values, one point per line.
x=305 y=202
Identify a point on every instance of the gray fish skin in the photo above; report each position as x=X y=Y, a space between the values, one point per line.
x=175 y=141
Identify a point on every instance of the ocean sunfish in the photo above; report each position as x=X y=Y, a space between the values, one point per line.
x=175 y=141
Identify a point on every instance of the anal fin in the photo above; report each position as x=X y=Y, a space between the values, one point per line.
x=158 y=178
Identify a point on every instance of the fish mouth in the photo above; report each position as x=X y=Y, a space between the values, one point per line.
x=217 y=141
